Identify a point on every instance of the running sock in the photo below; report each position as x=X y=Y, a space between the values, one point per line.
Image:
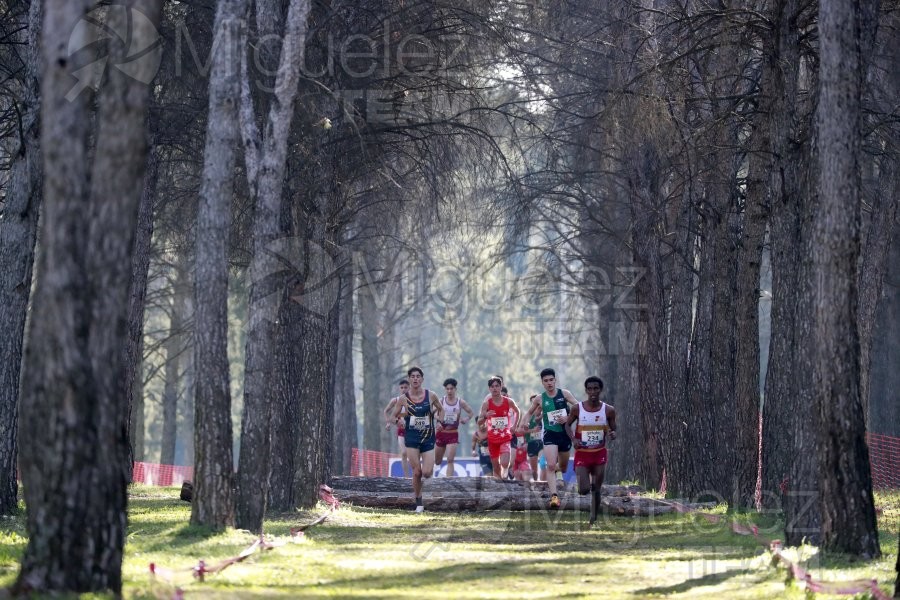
x=593 y=487
x=418 y=500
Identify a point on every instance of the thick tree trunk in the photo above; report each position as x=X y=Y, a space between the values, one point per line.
x=132 y=383
x=373 y=397
x=320 y=301
x=747 y=360
x=266 y=271
x=848 y=506
x=786 y=423
x=18 y=233
x=213 y=504
x=73 y=424
x=174 y=348
x=345 y=421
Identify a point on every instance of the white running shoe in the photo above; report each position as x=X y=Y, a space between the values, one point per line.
x=420 y=509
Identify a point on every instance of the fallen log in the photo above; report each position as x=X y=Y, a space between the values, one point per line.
x=516 y=499
x=403 y=485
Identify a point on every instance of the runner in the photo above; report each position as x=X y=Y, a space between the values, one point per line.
x=534 y=442
x=595 y=423
x=418 y=408
x=553 y=406
x=401 y=432
x=481 y=450
x=498 y=411
x=522 y=470
x=448 y=431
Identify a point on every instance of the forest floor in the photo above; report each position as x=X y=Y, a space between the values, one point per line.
x=368 y=553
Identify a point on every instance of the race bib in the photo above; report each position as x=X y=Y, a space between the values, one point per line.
x=499 y=422
x=418 y=422
x=554 y=416
x=592 y=438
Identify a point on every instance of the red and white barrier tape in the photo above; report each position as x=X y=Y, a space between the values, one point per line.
x=201 y=569
x=844 y=588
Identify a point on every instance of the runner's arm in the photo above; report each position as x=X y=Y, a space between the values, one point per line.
x=388 y=410
x=572 y=400
x=437 y=409
x=611 y=419
x=573 y=417
x=468 y=410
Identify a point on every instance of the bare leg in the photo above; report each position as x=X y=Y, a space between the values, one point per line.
x=413 y=455
x=404 y=461
x=451 y=456
x=552 y=456
x=584 y=480
x=504 y=465
x=533 y=461
x=564 y=462
x=439 y=456
x=597 y=472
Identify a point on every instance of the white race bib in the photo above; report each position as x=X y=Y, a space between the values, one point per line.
x=418 y=422
x=592 y=438
x=554 y=416
x=499 y=422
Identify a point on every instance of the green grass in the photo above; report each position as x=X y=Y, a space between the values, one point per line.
x=366 y=553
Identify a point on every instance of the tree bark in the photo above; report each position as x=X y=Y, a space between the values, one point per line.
x=213 y=504
x=132 y=383
x=266 y=272
x=73 y=424
x=345 y=421
x=18 y=234
x=848 y=505
x=373 y=400
x=174 y=347
x=747 y=361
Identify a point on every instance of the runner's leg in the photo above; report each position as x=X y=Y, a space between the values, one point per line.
x=551 y=456
x=451 y=456
x=504 y=465
x=583 y=475
x=404 y=461
x=439 y=456
x=597 y=472
x=412 y=454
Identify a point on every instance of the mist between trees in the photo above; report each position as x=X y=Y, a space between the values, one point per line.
x=237 y=261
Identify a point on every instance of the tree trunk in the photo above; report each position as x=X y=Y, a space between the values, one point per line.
x=265 y=272
x=174 y=348
x=783 y=414
x=18 y=233
x=747 y=360
x=320 y=300
x=345 y=421
x=848 y=506
x=373 y=401
x=132 y=383
x=213 y=503
x=73 y=424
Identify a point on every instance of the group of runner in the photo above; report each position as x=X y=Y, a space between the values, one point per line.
x=554 y=422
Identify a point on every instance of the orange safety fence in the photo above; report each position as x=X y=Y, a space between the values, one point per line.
x=884 y=455
x=162 y=475
x=371 y=463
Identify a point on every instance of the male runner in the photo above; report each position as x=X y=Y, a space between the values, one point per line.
x=401 y=432
x=481 y=450
x=595 y=423
x=447 y=437
x=553 y=405
x=418 y=408
x=533 y=440
x=498 y=412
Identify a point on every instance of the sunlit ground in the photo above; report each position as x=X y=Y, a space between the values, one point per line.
x=367 y=553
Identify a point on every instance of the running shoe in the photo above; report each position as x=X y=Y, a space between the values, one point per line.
x=420 y=509
x=554 y=501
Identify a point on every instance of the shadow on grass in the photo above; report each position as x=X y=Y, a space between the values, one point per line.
x=705 y=580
